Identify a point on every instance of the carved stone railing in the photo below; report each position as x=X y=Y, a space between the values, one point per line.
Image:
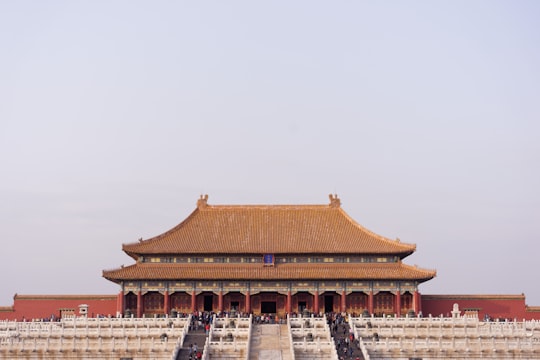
x=230 y=336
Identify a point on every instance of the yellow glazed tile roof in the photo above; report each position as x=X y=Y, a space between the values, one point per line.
x=291 y=271
x=272 y=229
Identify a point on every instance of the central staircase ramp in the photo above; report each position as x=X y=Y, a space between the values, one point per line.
x=270 y=342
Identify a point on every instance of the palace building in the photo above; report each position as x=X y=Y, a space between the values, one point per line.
x=269 y=259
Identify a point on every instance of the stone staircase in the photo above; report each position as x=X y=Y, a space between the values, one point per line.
x=342 y=332
x=270 y=342
x=193 y=337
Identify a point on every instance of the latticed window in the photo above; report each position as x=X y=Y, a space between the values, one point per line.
x=384 y=302
x=358 y=301
x=181 y=301
x=406 y=301
x=153 y=301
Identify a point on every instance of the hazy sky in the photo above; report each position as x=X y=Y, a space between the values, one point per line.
x=422 y=116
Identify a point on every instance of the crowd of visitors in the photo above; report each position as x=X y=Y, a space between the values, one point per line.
x=346 y=345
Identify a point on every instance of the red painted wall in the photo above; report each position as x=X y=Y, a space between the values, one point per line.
x=43 y=306
x=496 y=306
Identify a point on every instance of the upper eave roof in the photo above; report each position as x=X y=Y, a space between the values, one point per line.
x=272 y=229
x=290 y=271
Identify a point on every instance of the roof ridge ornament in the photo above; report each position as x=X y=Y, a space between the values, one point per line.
x=202 y=202
x=334 y=201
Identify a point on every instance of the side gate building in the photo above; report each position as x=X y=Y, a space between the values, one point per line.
x=269 y=259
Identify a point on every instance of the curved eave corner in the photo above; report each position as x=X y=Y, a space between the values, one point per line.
x=430 y=275
x=109 y=275
x=134 y=249
x=406 y=248
x=404 y=254
x=126 y=249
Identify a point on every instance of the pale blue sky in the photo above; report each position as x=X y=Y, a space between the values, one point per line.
x=423 y=116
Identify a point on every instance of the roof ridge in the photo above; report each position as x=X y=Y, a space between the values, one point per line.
x=335 y=202
x=219 y=206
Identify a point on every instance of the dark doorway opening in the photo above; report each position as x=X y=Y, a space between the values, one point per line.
x=268 y=307
x=302 y=306
x=208 y=302
x=235 y=305
x=328 y=303
x=131 y=303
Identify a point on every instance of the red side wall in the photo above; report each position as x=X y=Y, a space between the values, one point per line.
x=43 y=306
x=496 y=306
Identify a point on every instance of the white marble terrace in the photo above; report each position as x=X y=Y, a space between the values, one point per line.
x=446 y=338
x=93 y=338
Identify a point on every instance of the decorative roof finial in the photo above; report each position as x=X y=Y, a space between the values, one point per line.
x=202 y=202
x=334 y=200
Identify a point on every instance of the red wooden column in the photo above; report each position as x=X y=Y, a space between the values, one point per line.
x=139 y=304
x=289 y=302
x=248 y=302
x=316 y=302
x=416 y=302
x=193 y=301
x=343 y=301
x=220 y=301
x=398 y=304
x=120 y=303
x=166 y=307
x=370 y=302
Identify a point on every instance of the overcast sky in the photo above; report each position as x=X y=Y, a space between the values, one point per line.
x=422 y=116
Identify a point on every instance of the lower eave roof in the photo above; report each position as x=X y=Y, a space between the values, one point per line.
x=386 y=271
